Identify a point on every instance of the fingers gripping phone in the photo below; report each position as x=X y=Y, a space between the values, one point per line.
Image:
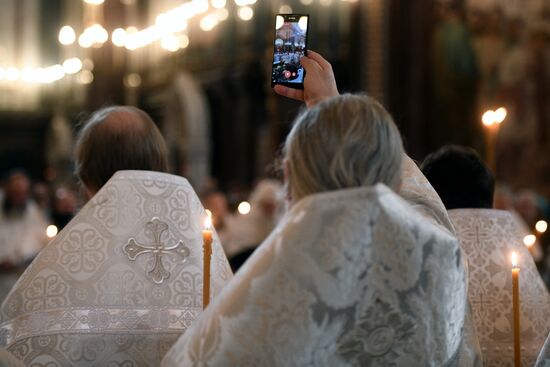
x=290 y=44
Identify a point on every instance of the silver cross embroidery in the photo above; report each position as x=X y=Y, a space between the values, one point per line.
x=133 y=249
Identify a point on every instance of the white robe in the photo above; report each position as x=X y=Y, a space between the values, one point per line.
x=488 y=238
x=97 y=295
x=348 y=278
x=20 y=240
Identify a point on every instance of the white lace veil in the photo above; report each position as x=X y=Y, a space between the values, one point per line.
x=346 y=279
x=120 y=283
x=488 y=237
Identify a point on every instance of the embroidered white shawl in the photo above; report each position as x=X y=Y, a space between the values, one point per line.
x=488 y=238
x=349 y=278
x=120 y=283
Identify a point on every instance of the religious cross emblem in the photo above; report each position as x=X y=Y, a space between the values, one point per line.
x=155 y=228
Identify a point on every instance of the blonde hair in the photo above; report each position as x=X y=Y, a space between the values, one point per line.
x=343 y=142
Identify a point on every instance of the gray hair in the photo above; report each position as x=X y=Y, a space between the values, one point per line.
x=118 y=138
x=343 y=142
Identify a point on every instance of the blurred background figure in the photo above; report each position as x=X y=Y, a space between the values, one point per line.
x=22 y=229
x=253 y=222
x=64 y=207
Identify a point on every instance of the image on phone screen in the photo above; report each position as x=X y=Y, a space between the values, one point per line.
x=290 y=45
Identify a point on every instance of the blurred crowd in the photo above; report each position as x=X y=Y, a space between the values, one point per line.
x=32 y=213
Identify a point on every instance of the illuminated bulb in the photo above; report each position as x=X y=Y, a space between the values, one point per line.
x=86 y=77
x=488 y=118
x=170 y=43
x=12 y=74
x=500 y=115
x=246 y=13
x=132 y=80
x=541 y=226
x=85 y=40
x=529 y=240
x=51 y=231
x=118 y=37
x=52 y=74
x=170 y=23
x=66 y=35
x=200 y=6
x=209 y=22
x=218 y=4
x=72 y=66
x=306 y=2
x=98 y=33
x=302 y=23
x=285 y=9
x=244 y=208
x=241 y=2
x=94 y=2
x=184 y=41
x=28 y=75
x=514 y=259
x=279 y=22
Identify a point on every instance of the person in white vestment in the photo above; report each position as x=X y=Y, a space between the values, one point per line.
x=123 y=279
x=488 y=237
x=22 y=230
x=244 y=232
x=353 y=275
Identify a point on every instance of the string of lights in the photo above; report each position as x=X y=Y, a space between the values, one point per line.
x=169 y=30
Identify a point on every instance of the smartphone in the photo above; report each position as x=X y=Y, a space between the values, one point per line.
x=290 y=44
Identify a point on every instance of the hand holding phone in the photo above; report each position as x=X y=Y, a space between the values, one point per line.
x=319 y=84
x=289 y=46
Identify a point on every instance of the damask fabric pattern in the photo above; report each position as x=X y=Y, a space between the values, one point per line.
x=120 y=283
x=420 y=194
x=348 y=278
x=488 y=238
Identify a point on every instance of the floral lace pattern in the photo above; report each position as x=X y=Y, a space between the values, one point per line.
x=346 y=279
x=488 y=237
x=83 y=302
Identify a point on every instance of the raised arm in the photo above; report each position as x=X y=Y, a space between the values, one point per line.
x=320 y=84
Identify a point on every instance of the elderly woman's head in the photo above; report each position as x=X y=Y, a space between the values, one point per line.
x=343 y=142
x=118 y=138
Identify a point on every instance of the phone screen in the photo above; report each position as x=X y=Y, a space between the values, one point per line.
x=290 y=44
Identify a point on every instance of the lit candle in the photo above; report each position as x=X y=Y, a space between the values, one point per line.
x=541 y=226
x=207 y=250
x=515 y=309
x=492 y=120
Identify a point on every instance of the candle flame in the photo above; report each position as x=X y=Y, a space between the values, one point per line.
x=500 y=114
x=514 y=259
x=488 y=118
x=541 y=226
x=208 y=223
x=209 y=213
x=529 y=240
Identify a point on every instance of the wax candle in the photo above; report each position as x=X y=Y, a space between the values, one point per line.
x=207 y=251
x=515 y=309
